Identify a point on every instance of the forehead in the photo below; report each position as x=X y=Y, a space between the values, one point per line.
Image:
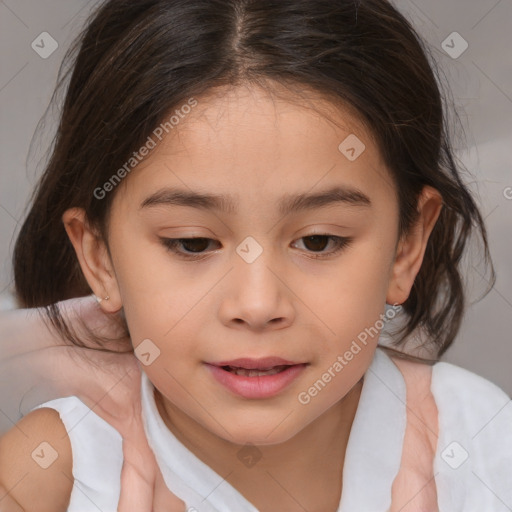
x=251 y=119
x=249 y=141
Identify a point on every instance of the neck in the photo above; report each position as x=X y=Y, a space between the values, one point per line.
x=301 y=473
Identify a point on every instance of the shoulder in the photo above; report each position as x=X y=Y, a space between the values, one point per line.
x=475 y=440
x=472 y=408
x=36 y=462
x=463 y=421
x=461 y=403
x=462 y=389
x=453 y=386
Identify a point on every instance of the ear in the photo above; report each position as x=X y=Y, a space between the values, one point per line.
x=411 y=247
x=94 y=259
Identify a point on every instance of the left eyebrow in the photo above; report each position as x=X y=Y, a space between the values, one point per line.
x=286 y=205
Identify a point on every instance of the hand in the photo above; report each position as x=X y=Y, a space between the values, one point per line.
x=142 y=484
x=7 y=504
x=42 y=366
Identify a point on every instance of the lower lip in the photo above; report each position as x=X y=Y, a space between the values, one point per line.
x=264 y=386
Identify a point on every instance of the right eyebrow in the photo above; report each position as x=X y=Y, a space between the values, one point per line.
x=227 y=204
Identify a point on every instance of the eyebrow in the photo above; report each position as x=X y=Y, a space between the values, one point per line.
x=227 y=204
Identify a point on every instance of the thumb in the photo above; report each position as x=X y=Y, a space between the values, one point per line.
x=7 y=504
x=136 y=492
x=164 y=500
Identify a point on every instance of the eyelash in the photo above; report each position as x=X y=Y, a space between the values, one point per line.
x=171 y=245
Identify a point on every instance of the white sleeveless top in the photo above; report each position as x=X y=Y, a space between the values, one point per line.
x=472 y=464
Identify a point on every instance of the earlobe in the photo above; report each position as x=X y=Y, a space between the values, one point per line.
x=412 y=246
x=94 y=259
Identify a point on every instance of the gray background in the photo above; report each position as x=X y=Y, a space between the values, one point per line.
x=481 y=80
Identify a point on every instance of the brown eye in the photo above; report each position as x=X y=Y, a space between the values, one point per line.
x=194 y=244
x=197 y=248
x=192 y=247
x=317 y=243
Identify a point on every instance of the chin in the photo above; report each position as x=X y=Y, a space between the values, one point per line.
x=261 y=433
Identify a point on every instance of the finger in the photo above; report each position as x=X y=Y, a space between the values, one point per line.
x=136 y=492
x=85 y=314
x=164 y=500
x=138 y=472
x=7 y=504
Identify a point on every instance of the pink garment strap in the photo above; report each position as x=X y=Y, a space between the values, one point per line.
x=414 y=488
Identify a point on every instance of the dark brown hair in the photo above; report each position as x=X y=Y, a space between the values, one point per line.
x=137 y=60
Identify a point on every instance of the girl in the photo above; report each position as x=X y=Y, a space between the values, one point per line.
x=205 y=150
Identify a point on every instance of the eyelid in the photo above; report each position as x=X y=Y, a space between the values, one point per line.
x=341 y=242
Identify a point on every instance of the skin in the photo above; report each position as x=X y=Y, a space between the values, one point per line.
x=107 y=383
x=286 y=303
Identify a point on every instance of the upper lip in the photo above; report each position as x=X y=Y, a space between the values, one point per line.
x=256 y=364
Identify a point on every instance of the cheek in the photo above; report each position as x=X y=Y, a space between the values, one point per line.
x=352 y=298
x=155 y=292
x=158 y=294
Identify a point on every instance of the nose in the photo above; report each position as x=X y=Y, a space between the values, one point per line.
x=257 y=296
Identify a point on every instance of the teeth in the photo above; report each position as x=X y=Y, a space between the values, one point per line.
x=243 y=372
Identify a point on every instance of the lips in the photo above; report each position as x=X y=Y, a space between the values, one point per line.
x=254 y=372
x=256 y=378
x=247 y=367
x=265 y=363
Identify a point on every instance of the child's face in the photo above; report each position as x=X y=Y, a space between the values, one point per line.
x=257 y=290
